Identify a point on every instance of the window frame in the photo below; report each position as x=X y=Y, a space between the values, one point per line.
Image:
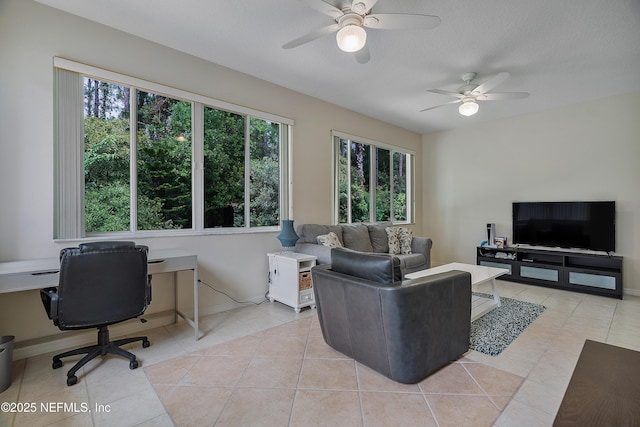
x=336 y=137
x=69 y=222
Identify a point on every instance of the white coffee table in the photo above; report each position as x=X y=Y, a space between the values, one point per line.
x=479 y=274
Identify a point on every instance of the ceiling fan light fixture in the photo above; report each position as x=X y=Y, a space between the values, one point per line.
x=351 y=38
x=468 y=107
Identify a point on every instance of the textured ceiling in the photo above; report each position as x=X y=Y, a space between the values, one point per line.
x=561 y=52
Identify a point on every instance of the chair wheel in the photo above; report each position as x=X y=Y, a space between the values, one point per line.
x=145 y=343
x=133 y=364
x=56 y=364
x=72 y=380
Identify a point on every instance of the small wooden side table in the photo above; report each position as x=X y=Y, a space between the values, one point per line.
x=290 y=279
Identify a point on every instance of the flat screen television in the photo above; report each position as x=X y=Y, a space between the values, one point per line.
x=580 y=225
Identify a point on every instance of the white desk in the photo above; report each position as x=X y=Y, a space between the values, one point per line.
x=479 y=274
x=18 y=276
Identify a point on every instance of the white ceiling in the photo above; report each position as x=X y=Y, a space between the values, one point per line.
x=561 y=52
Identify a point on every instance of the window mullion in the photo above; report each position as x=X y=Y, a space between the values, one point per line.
x=336 y=179
x=286 y=172
x=197 y=165
x=391 y=187
x=410 y=199
x=133 y=160
x=247 y=172
x=349 y=216
x=373 y=156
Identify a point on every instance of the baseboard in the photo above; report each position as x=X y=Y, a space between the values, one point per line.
x=73 y=339
x=633 y=292
x=219 y=308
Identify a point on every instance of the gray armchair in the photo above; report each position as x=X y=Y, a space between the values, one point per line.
x=403 y=329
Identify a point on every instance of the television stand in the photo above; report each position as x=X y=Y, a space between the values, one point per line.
x=572 y=271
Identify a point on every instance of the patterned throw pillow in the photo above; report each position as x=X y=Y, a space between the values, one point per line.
x=331 y=240
x=394 y=242
x=399 y=240
x=405 y=236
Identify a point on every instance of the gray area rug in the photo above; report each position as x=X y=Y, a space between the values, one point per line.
x=493 y=332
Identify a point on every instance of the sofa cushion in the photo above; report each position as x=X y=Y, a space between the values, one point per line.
x=356 y=237
x=380 y=268
x=309 y=233
x=331 y=240
x=378 y=236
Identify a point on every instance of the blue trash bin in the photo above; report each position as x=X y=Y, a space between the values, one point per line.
x=6 y=361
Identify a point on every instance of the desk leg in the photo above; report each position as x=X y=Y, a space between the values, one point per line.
x=195 y=322
x=195 y=303
x=175 y=297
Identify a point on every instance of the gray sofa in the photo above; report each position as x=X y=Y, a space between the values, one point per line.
x=403 y=329
x=363 y=238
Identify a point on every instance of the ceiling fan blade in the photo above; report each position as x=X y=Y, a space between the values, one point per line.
x=499 y=96
x=491 y=83
x=401 y=21
x=441 y=105
x=363 y=56
x=362 y=6
x=323 y=7
x=446 y=92
x=311 y=36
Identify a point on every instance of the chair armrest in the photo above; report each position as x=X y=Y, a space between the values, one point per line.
x=430 y=317
x=148 y=289
x=49 y=298
x=422 y=245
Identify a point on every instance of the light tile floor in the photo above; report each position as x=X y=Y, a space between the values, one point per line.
x=178 y=373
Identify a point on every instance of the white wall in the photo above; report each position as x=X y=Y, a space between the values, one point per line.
x=32 y=34
x=587 y=151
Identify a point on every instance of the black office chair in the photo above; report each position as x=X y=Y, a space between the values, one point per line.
x=100 y=284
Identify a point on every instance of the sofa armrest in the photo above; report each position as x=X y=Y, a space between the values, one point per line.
x=423 y=246
x=322 y=253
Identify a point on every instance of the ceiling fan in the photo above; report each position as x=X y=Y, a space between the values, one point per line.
x=470 y=93
x=349 y=23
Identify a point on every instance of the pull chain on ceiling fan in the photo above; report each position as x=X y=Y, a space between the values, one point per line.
x=470 y=93
x=351 y=20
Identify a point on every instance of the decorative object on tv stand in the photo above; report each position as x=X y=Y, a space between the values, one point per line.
x=500 y=242
x=288 y=236
x=491 y=234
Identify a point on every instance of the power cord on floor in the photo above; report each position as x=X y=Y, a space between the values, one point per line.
x=232 y=298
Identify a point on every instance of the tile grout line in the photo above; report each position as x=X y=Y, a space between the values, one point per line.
x=484 y=391
x=433 y=414
x=304 y=354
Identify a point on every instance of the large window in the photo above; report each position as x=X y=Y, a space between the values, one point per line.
x=373 y=181
x=137 y=157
